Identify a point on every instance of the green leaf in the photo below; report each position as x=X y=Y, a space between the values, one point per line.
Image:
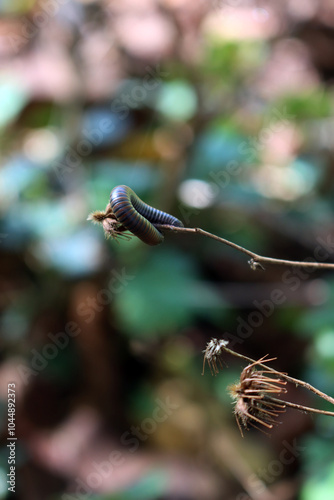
x=320 y=486
x=165 y=295
x=177 y=100
x=316 y=104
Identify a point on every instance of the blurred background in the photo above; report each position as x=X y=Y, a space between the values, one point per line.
x=220 y=113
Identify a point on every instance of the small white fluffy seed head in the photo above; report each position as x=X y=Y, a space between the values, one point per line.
x=212 y=354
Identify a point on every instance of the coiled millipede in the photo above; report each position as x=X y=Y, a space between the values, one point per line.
x=138 y=217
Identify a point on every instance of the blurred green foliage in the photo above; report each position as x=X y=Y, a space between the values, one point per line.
x=220 y=140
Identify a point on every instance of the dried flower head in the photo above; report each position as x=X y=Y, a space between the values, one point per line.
x=254 y=395
x=112 y=228
x=212 y=355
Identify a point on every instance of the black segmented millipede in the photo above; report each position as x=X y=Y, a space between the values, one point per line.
x=138 y=217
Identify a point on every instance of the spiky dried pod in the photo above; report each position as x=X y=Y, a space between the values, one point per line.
x=112 y=228
x=255 y=397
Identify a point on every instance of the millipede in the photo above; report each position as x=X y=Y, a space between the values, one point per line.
x=138 y=217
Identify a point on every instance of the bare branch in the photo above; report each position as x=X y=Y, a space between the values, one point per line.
x=256 y=260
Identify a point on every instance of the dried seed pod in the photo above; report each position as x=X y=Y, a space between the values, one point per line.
x=255 y=397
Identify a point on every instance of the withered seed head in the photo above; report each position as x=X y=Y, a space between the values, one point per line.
x=255 y=397
x=112 y=228
x=212 y=355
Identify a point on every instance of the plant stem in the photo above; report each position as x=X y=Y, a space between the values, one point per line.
x=302 y=408
x=256 y=259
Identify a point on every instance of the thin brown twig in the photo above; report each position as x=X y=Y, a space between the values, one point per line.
x=302 y=407
x=256 y=259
